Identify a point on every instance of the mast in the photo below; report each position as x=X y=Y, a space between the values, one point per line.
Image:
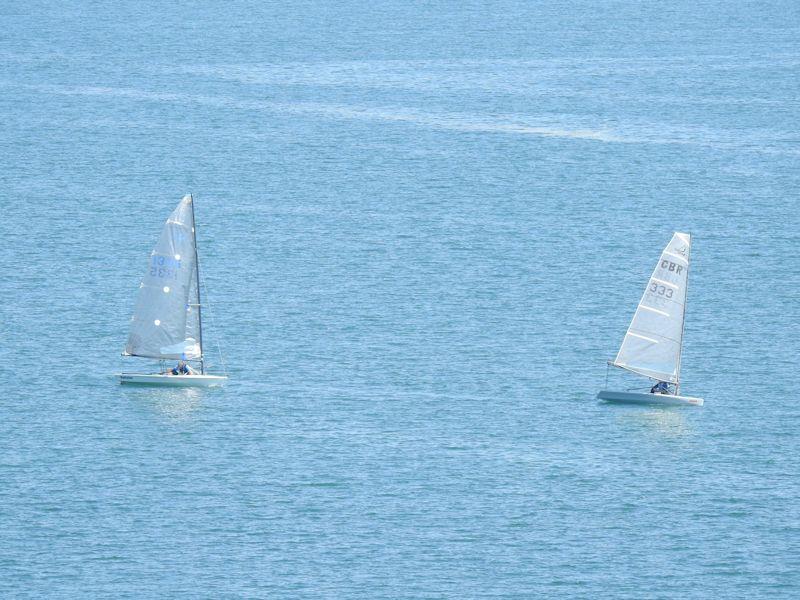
x=683 y=320
x=197 y=271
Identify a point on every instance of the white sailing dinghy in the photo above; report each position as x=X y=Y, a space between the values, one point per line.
x=167 y=323
x=654 y=341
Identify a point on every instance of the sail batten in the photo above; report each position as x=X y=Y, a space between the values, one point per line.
x=662 y=282
x=642 y=337
x=652 y=344
x=655 y=310
x=677 y=256
x=165 y=325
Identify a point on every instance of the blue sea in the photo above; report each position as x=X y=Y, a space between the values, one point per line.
x=423 y=229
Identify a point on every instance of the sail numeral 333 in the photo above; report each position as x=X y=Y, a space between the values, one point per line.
x=661 y=290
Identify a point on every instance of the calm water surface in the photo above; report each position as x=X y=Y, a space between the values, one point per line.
x=424 y=228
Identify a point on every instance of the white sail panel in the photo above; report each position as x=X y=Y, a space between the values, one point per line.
x=164 y=322
x=652 y=345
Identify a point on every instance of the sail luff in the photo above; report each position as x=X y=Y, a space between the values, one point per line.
x=652 y=344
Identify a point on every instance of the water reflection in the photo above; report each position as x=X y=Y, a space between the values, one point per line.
x=665 y=421
x=172 y=404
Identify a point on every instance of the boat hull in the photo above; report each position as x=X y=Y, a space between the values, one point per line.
x=161 y=379
x=650 y=399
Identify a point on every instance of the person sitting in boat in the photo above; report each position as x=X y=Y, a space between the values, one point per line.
x=662 y=387
x=181 y=369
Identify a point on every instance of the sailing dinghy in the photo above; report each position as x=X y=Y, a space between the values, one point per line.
x=167 y=323
x=653 y=343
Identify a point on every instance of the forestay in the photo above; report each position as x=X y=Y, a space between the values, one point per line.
x=165 y=322
x=652 y=345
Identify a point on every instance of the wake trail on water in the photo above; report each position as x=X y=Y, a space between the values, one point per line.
x=450 y=121
x=633 y=133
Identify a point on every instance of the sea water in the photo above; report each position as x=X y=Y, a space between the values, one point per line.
x=423 y=230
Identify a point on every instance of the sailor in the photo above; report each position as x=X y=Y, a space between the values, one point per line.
x=662 y=387
x=181 y=369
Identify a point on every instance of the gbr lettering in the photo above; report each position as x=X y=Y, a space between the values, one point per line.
x=671 y=266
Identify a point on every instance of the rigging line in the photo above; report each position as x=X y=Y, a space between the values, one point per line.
x=210 y=312
x=197 y=273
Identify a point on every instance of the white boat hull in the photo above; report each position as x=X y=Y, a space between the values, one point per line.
x=163 y=379
x=651 y=399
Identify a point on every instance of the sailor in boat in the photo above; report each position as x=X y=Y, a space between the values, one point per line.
x=662 y=387
x=181 y=369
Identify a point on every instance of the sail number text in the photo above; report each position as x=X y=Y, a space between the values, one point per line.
x=661 y=290
x=671 y=266
x=164 y=267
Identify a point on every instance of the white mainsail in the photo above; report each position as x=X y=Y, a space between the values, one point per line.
x=652 y=345
x=165 y=323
